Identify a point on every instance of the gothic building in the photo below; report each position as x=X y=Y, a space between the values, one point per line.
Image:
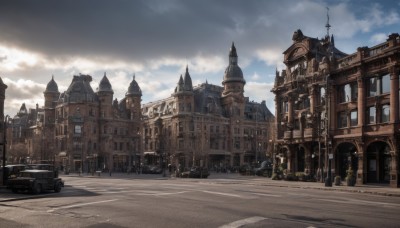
x=207 y=125
x=91 y=129
x=340 y=109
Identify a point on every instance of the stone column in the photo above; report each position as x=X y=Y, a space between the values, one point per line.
x=241 y=158
x=394 y=171
x=290 y=110
x=360 y=101
x=313 y=102
x=394 y=95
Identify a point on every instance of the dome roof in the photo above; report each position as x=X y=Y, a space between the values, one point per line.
x=134 y=88
x=233 y=73
x=51 y=86
x=105 y=85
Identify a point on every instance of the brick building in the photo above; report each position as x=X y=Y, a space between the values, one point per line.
x=344 y=107
x=91 y=129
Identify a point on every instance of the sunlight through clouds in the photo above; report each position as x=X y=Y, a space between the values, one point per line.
x=13 y=59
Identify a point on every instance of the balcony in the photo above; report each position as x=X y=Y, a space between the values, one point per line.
x=308 y=132
x=287 y=135
x=297 y=134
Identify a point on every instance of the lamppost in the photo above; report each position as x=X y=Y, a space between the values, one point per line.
x=328 y=142
x=4 y=147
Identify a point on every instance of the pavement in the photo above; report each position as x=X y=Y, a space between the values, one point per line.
x=375 y=189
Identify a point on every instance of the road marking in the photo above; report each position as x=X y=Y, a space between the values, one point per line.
x=169 y=193
x=266 y=194
x=243 y=222
x=79 y=205
x=224 y=194
x=361 y=202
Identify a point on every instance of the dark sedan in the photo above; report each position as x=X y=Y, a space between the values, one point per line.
x=196 y=172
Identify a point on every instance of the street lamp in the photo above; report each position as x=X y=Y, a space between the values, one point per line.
x=328 y=142
x=4 y=147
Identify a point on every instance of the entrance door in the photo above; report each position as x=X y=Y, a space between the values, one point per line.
x=372 y=169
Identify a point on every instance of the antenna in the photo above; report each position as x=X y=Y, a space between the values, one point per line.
x=327 y=26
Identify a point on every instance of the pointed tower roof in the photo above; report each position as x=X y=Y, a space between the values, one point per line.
x=232 y=52
x=187 y=81
x=105 y=85
x=233 y=73
x=134 y=88
x=51 y=86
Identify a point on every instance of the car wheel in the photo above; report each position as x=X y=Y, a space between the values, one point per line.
x=37 y=188
x=58 y=187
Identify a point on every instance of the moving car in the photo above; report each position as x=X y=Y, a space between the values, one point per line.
x=265 y=169
x=36 y=181
x=196 y=172
x=151 y=169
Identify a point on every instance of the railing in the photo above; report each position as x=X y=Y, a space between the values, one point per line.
x=297 y=134
x=378 y=49
x=346 y=60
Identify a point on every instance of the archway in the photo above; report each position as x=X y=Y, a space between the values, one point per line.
x=346 y=157
x=378 y=162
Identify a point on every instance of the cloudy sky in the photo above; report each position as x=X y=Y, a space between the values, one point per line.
x=156 y=39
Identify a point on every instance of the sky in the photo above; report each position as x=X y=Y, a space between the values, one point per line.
x=156 y=39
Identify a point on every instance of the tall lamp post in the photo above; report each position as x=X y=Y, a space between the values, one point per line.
x=328 y=143
x=4 y=147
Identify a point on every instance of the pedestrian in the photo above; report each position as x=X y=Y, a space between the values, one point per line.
x=110 y=172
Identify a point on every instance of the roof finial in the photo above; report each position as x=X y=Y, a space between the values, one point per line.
x=133 y=76
x=327 y=26
x=105 y=74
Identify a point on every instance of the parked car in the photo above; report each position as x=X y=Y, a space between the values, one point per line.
x=265 y=169
x=14 y=170
x=11 y=171
x=36 y=181
x=49 y=167
x=151 y=169
x=196 y=172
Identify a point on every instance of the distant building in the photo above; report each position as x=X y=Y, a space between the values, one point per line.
x=91 y=130
x=328 y=102
x=207 y=125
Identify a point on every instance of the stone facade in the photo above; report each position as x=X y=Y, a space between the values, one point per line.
x=345 y=106
x=207 y=125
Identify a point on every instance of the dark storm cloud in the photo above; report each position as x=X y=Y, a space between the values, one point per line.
x=136 y=30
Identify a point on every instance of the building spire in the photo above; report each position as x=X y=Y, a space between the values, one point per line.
x=327 y=26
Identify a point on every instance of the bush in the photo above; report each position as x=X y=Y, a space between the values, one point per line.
x=301 y=176
x=275 y=176
x=350 y=177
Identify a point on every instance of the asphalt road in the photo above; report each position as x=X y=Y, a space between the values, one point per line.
x=166 y=202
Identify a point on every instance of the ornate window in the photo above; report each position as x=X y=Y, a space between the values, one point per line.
x=371 y=114
x=353 y=118
x=342 y=119
x=385 y=113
